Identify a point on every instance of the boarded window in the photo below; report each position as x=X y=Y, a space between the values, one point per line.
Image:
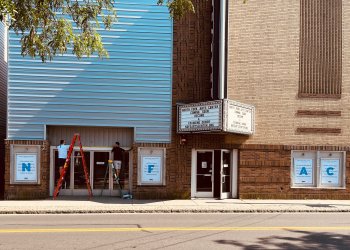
x=320 y=48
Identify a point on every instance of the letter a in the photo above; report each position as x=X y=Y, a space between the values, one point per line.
x=303 y=171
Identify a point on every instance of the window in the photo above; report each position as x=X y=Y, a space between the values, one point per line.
x=318 y=169
x=320 y=53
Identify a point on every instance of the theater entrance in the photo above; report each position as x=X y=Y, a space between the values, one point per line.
x=214 y=174
x=97 y=165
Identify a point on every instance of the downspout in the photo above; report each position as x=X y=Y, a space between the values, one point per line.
x=222 y=50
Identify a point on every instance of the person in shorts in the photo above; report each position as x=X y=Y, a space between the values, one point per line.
x=117 y=157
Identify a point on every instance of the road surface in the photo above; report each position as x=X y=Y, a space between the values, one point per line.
x=176 y=231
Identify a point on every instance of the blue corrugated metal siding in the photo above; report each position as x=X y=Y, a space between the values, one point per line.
x=3 y=84
x=3 y=103
x=130 y=89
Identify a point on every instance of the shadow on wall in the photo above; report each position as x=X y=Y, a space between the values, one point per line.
x=297 y=240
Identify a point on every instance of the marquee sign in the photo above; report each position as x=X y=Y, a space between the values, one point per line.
x=205 y=116
x=216 y=116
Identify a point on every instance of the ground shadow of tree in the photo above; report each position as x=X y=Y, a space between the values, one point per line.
x=308 y=240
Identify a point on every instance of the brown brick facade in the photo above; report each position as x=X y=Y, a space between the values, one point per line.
x=263 y=70
x=28 y=191
x=265 y=173
x=259 y=75
x=191 y=83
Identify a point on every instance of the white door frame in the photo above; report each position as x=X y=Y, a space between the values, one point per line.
x=225 y=195
x=234 y=175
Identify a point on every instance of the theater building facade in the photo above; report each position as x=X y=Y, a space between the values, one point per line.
x=234 y=101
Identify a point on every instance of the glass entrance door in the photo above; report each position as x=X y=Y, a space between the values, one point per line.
x=101 y=170
x=96 y=160
x=225 y=174
x=214 y=173
x=78 y=169
x=204 y=174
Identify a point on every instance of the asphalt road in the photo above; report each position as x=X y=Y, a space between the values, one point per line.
x=176 y=231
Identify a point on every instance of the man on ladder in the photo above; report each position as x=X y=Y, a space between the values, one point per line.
x=62 y=155
x=76 y=137
x=118 y=153
x=118 y=157
x=116 y=165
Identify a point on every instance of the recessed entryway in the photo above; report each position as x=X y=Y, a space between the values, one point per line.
x=214 y=174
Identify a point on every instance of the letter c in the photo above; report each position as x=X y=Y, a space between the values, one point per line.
x=330 y=171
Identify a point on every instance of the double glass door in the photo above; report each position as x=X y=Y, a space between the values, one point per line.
x=100 y=175
x=212 y=174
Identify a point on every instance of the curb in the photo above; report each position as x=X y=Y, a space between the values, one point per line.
x=175 y=211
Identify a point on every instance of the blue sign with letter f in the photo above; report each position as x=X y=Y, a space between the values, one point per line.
x=150 y=168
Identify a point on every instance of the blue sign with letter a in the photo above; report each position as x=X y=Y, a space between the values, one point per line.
x=303 y=171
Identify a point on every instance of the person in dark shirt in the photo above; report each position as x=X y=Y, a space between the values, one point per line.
x=117 y=157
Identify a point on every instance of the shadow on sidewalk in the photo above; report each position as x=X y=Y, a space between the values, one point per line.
x=106 y=200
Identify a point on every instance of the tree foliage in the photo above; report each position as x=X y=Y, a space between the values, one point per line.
x=50 y=27
x=178 y=8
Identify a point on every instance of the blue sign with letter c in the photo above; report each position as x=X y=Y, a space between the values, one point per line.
x=330 y=171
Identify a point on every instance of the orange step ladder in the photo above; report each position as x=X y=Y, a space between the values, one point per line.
x=66 y=166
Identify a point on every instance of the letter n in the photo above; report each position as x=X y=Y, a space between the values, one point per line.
x=25 y=167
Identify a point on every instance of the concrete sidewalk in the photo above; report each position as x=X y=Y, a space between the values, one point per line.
x=117 y=205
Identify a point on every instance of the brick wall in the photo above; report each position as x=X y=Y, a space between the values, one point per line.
x=264 y=163
x=191 y=83
x=28 y=191
x=265 y=173
x=178 y=166
x=263 y=70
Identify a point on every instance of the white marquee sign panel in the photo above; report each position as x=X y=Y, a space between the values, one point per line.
x=239 y=117
x=216 y=116
x=200 y=117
